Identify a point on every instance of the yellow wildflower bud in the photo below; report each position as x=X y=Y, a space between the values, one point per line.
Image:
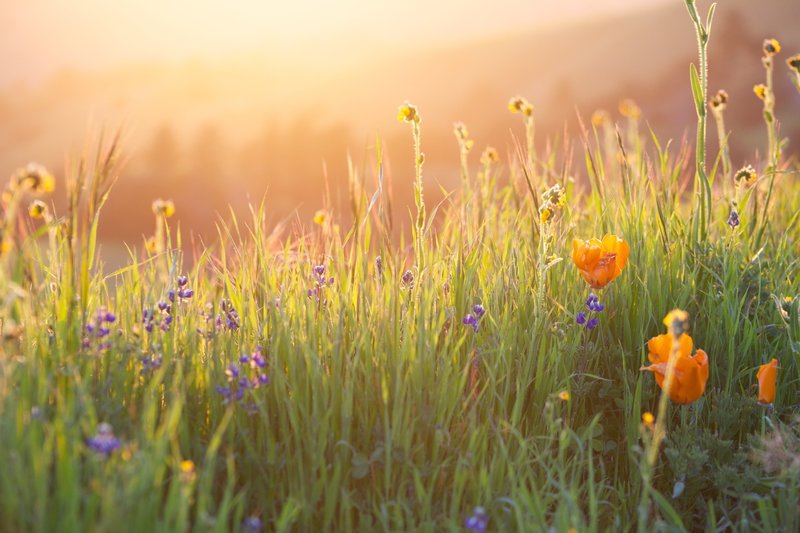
x=320 y=217
x=519 y=104
x=407 y=113
x=648 y=418
x=489 y=155
x=34 y=177
x=794 y=63
x=150 y=245
x=37 y=209
x=545 y=214
x=164 y=207
x=760 y=90
x=564 y=395
x=771 y=47
x=745 y=176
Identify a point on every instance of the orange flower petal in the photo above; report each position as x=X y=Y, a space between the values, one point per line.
x=767 y=377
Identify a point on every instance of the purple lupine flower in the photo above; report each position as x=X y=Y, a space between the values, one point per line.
x=470 y=320
x=263 y=379
x=478 y=521
x=580 y=318
x=150 y=364
x=319 y=270
x=479 y=311
x=733 y=219
x=244 y=359
x=258 y=360
x=379 y=265
x=171 y=296
x=103 y=442
x=591 y=324
x=408 y=278
x=252 y=524
x=185 y=293
x=182 y=281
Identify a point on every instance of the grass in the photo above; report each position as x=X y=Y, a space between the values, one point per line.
x=383 y=410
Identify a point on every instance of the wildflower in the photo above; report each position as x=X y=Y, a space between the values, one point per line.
x=690 y=373
x=252 y=524
x=518 y=104
x=98 y=329
x=600 y=261
x=720 y=100
x=470 y=320
x=677 y=322
x=592 y=323
x=745 y=176
x=103 y=442
x=478 y=521
x=479 y=311
x=733 y=219
x=761 y=91
x=408 y=113
x=648 y=418
x=244 y=379
x=150 y=364
x=163 y=207
x=767 y=376
x=545 y=214
x=489 y=156
x=593 y=303
x=564 y=396
x=628 y=108
x=408 y=278
x=379 y=266
x=37 y=209
x=600 y=117
x=581 y=318
x=33 y=177
x=555 y=196
x=320 y=217
x=794 y=63
x=771 y=47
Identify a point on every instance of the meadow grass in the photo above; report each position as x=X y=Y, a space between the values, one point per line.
x=369 y=404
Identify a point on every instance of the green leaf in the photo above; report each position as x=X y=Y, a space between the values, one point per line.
x=697 y=91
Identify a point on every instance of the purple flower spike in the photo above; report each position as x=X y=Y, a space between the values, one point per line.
x=479 y=311
x=319 y=270
x=470 y=320
x=252 y=524
x=182 y=281
x=478 y=521
x=103 y=442
x=581 y=318
x=592 y=323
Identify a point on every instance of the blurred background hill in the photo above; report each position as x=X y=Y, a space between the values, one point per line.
x=225 y=115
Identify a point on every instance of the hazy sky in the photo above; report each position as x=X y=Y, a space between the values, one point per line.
x=40 y=37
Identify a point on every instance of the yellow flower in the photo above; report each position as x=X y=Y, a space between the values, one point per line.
x=545 y=214
x=518 y=104
x=489 y=156
x=34 y=177
x=745 y=176
x=564 y=395
x=320 y=217
x=6 y=245
x=648 y=418
x=794 y=63
x=677 y=322
x=600 y=261
x=150 y=245
x=461 y=131
x=690 y=372
x=629 y=108
x=37 y=209
x=164 y=207
x=187 y=466
x=761 y=90
x=771 y=47
x=767 y=377
x=407 y=113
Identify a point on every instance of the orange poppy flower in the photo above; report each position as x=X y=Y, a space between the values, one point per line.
x=690 y=373
x=600 y=261
x=767 y=376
